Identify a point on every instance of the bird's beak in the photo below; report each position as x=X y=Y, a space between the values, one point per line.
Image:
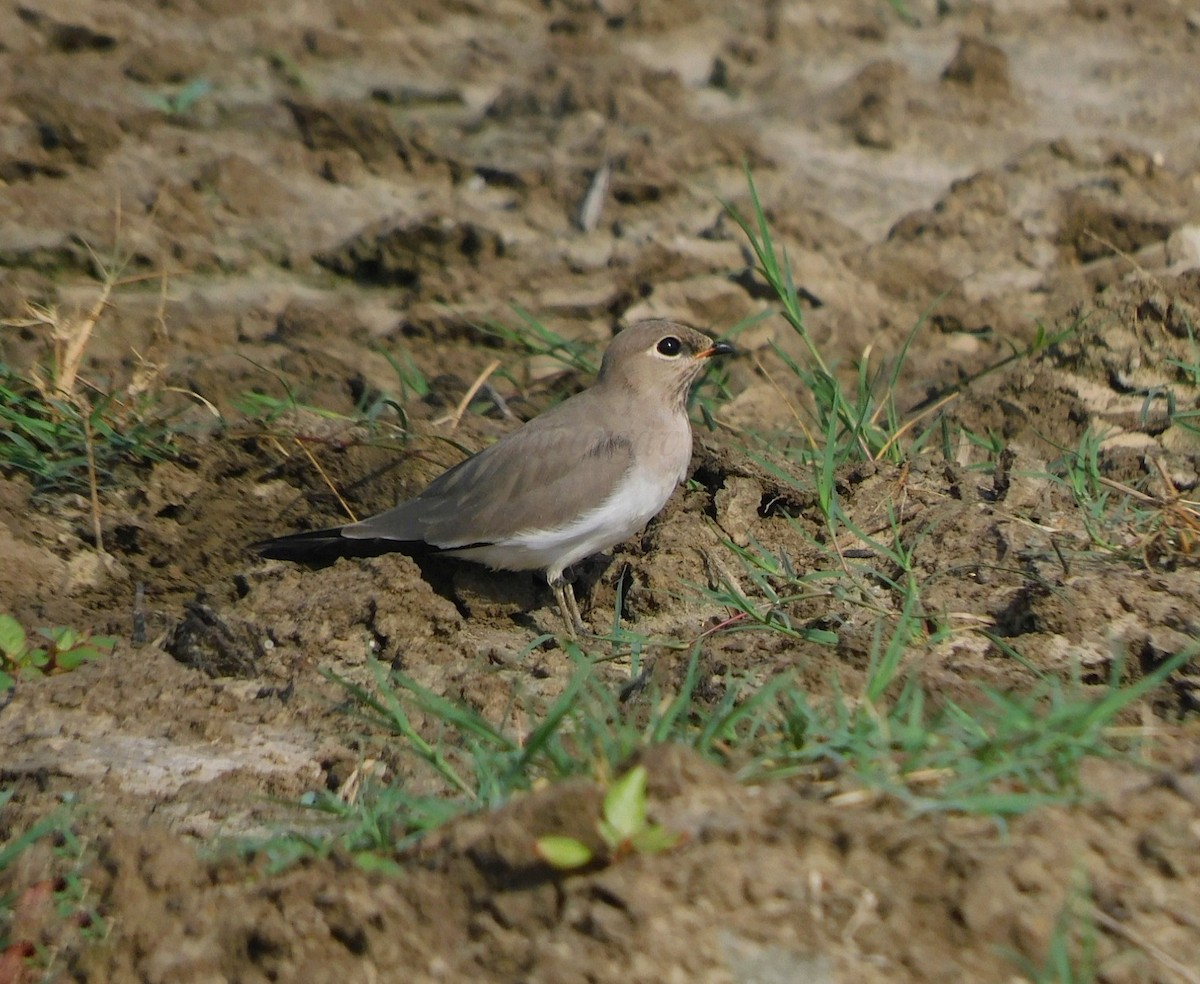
x=717 y=348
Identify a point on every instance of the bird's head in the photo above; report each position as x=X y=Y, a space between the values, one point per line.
x=659 y=360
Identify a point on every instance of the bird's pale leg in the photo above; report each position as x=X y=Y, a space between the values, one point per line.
x=568 y=607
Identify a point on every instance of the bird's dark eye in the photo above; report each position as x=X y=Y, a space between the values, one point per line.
x=670 y=345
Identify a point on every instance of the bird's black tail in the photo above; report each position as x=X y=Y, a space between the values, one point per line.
x=326 y=546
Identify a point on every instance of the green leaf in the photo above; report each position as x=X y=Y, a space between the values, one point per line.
x=370 y=862
x=12 y=637
x=655 y=839
x=70 y=659
x=625 y=803
x=613 y=838
x=157 y=101
x=85 y=651
x=191 y=93
x=564 y=853
x=822 y=636
x=7 y=682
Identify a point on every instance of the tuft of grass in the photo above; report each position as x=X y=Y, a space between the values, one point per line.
x=412 y=381
x=59 y=442
x=1070 y=956
x=374 y=410
x=534 y=338
x=1123 y=520
x=367 y=424
x=1000 y=756
x=469 y=764
x=859 y=421
x=66 y=434
x=58 y=906
x=860 y=424
x=780 y=586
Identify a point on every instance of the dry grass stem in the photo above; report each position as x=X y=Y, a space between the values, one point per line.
x=76 y=336
x=93 y=482
x=328 y=481
x=455 y=418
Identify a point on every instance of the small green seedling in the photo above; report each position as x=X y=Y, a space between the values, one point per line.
x=623 y=827
x=56 y=650
x=181 y=101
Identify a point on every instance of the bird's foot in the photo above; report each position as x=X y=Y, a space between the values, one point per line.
x=568 y=607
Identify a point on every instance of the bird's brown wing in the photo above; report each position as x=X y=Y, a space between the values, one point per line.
x=542 y=476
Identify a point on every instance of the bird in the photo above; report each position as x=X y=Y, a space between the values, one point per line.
x=570 y=483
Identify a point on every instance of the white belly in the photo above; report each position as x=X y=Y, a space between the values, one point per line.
x=637 y=499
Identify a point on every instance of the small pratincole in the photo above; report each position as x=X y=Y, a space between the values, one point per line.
x=572 y=482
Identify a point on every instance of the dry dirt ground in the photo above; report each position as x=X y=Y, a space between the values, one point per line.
x=297 y=189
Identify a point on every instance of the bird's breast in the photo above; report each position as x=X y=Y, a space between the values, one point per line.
x=660 y=462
